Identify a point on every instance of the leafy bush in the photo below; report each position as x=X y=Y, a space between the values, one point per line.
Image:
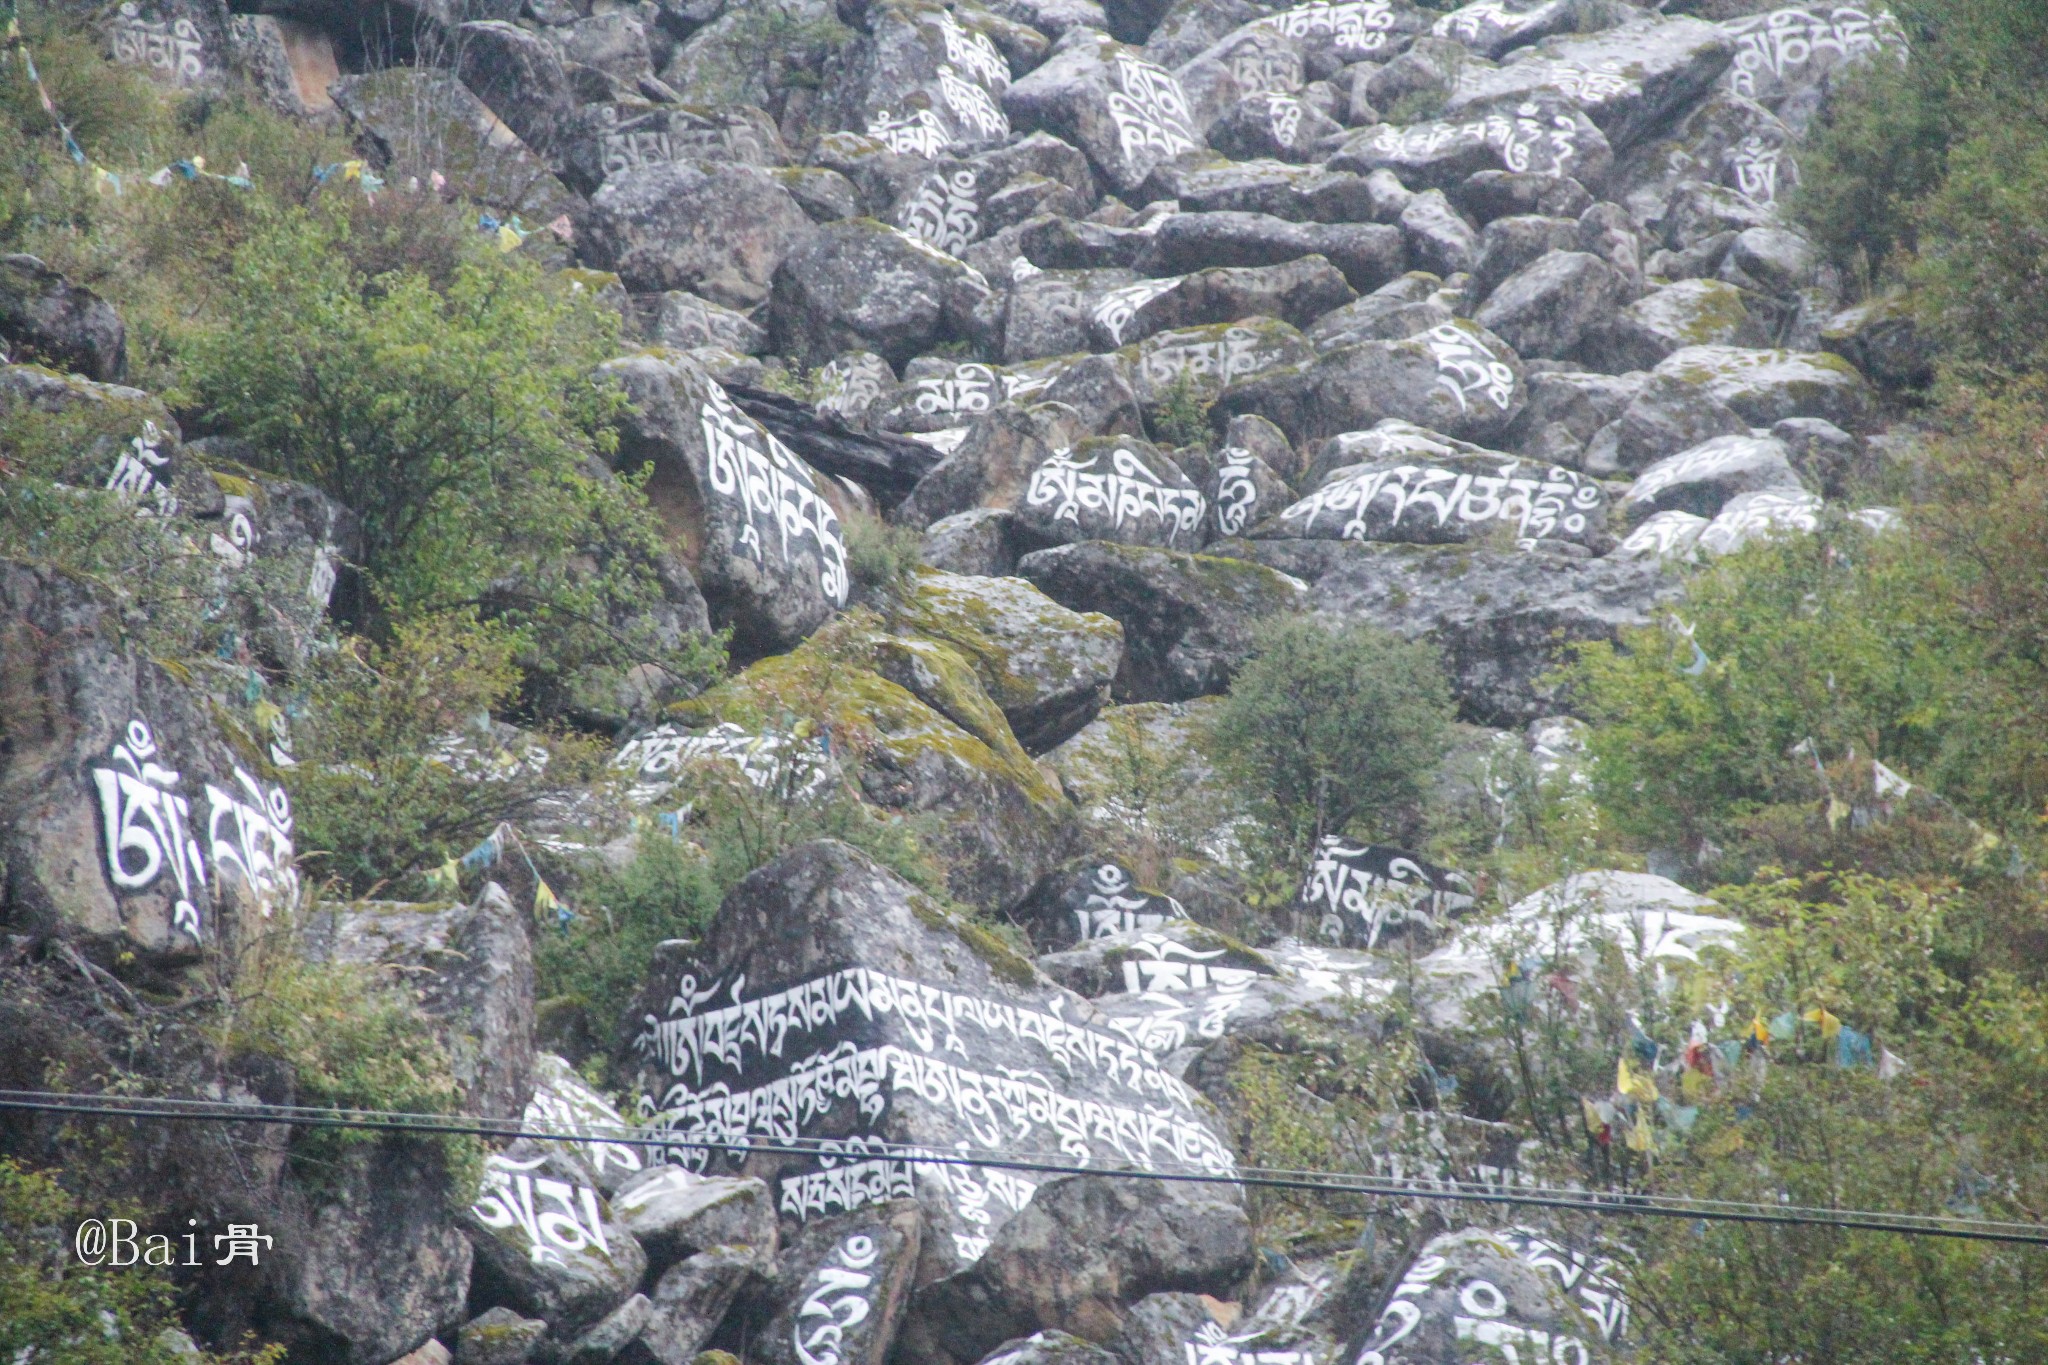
x=398 y=770
x=1332 y=731
x=880 y=555
x=56 y=1310
x=1183 y=416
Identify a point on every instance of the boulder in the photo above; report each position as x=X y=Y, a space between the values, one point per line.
x=1770 y=260
x=1271 y=124
x=1763 y=387
x=675 y=1213
x=1494 y=28
x=130 y=822
x=1127 y=113
x=1091 y=899
x=690 y=1300
x=1448 y=499
x=1667 y=415
x=750 y=518
x=1575 y=403
x=1541 y=135
x=1093 y=769
x=1504 y=620
x=1828 y=458
x=1440 y=239
x=1785 y=58
x=183 y=44
x=519 y=74
x=851 y=388
x=1456 y=378
x=1370 y=894
x=1508 y=244
x=547 y=1245
x=1883 y=339
x=1051 y=1348
x=1048 y=668
x=1761 y=515
x=920 y=64
x=1084 y=1249
x=861 y=284
x=1187 y=619
x=46 y=318
x=683 y=321
x=1687 y=313
x=1666 y=535
x=563 y=1102
x=1386 y=315
x=990 y=467
x=720 y=230
x=472 y=970
x=599 y=141
x=1513 y=1292
x=288 y=63
x=845 y=1283
x=1487 y=195
x=857 y=968
x=1550 y=307
x=1112 y=488
x=1703 y=480
x=418 y=123
x=1297 y=292
x=1243 y=491
x=980 y=542
x=1197 y=363
x=1368 y=254
x=1627 y=79
x=498 y=1336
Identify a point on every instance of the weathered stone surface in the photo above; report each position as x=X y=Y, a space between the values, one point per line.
x=1508 y=244
x=1493 y=28
x=690 y=1300
x=1703 y=480
x=1883 y=340
x=599 y=141
x=1550 y=307
x=1666 y=535
x=1760 y=515
x=1763 y=387
x=1688 y=313
x=414 y=123
x=1083 y=1249
x=822 y=922
x=1504 y=620
x=1048 y=668
x=1112 y=488
x=720 y=230
x=1368 y=254
x=750 y=518
x=1198 y=362
x=1487 y=195
x=1127 y=113
x=861 y=284
x=1187 y=619
x=980 y=542
x=684 y=321
x=563 y=1102
x=1440 y=239
x=1271 y=124
x=1667 y=415
x=844 y=1282
x=1627 y=80
x=44 y=317
x=288 y=63
x=571 y=1268
x=519 y=74
x=1243 y=491
x=991 y=467
x=1389 y=314
x=675 y=1213
x=473 y=969
x=1544 y=135
x=498 y=1336
x=920 y=71
x=1447 y=496
x=1456 y=378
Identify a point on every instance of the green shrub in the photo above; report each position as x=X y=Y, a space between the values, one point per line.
x=1332 y=731
x=880 y=555
x=56 y=1310
x=1183 y=415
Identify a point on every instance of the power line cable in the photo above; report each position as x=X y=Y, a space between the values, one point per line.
x=1597 y=1202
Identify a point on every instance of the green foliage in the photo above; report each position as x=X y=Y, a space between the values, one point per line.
x=1842 y=637
x=596 y=964
x=399 y=770
x=880 y=555
x=1331 y=731
x=56 y=1310
x=1182 y=418
x=354 y=1039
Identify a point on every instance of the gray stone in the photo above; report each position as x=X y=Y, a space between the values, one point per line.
x=690 y=1300
x=1544 y=135
x=1508 y=244
x=990 y=467
x=1368 y=254
x=1493 y=29
x=1127 y=113
x=914 y=73
x=1377 y=317
x=1187 y=619
x=827 y=196
x=1439 y=238
x=719 y=230
x=1666 y=415
x=675 y=1213
x=1704 y=479
x=1763 y=387
x=1827 y=457
x=622 y=1326
x=868 y=1258
x=1688 y=313
x=1196 y=363
x=1770 y=261
x=44 y=317
x=1084 y=1248
x=683 y=321
x=498 y=1336
x=617 y=136
x=1883 y=339
x=414 y=123
x=1112 y=488
x=572 y=1268
x=978 y=542
x=1271 y=124
x=519 y=74
x=860 y=284
x=1551 y=306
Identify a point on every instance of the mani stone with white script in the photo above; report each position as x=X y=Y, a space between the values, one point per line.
x=1113 y=488
x=830 y=1002
x=844 y=1285
x=748 y=516
x=546 y=1242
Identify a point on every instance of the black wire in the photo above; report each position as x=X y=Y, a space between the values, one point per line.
x=1321 y=1182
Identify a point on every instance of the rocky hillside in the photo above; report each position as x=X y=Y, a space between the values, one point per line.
x=893 y=615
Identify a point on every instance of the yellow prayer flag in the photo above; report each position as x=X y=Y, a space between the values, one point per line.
x=446 y=879
x=1640 y=1139
x=508 y=240
x=1829 y=1025
x=1637 y=1085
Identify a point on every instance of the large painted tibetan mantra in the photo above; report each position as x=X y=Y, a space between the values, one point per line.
x=829 y=1007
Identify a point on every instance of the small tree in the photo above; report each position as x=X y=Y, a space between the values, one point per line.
x=1329 y=731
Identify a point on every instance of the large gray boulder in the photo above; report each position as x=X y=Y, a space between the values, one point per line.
x=752 y=519
x=44 y=317
x=1448 y=498
x=1541 y=135
x=892 y=1020
x=844 y=1282
x=1113 y=488
x=1187 y=619
x=864 y=285
x=921 y=64
x=719 y=230
x=1551 y=306
x=1456 y=378
x=1764 y=387
x=1369 y=254
x=1085 y=1248
x=1114 y=103
x=1685 y=313
x=1198 y=362
x=547 y=1245
x=1703 y=480
x=519 y=74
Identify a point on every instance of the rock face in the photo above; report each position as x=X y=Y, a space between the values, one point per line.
x=1187 y=619
x=1450 y=500
x=888 y=1024
x=547 y=1245
x=45 y=317
x=416 y=123
x=1125 y=112
x=1112 y=488
x=861 y=284
x=750 y=518
x=719 y=231
x=1083 y=1248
